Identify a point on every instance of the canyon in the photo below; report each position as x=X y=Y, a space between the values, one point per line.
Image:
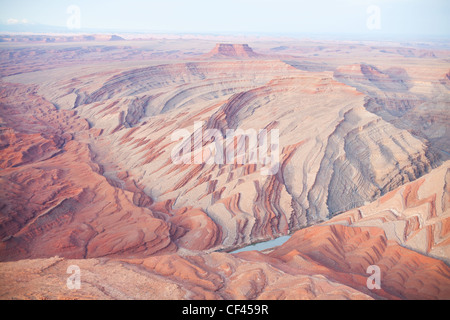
x=87 y=177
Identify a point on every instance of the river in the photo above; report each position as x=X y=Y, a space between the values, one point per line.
x=264 y=245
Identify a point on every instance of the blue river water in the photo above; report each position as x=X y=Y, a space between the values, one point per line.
x=264 y=245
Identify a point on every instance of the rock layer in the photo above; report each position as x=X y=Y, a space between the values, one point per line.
x=334 y=154
x=320 y=262
x=87 y=173
x=225 y=50
x=416 y=215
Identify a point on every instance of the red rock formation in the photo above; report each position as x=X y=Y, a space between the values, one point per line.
x=54 y=199
x=225 y=50
x=345 y=251
x=320 y=262
x=195 y=230
x=86 y=174
x=415 y=215
x=133 y=114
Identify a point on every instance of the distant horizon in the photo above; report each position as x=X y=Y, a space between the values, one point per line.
x=55 y=30
x=369 y=19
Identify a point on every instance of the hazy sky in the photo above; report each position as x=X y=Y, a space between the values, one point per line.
x=396 y=17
